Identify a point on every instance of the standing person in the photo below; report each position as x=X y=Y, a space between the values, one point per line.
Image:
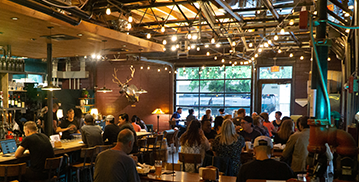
x=68 y=126
x=80 y=120
x=55 y=121
x=268 y=124
x=264 y=167
x=207 y=116
x=296 y=146
x=248 y=133
x=91 y=134
x=125 y=124
x=39 y=147
x=193 y=141
x=136 y=127
x=111 y=130
x=221 y=112
x=176 y=116
x=115 y=165
x=190 y=116
x=229 y=145
x=277 y=122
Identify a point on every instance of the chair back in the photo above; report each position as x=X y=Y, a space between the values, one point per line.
x=149 y=127
x=88 y=154
x=171 y=166
x=100 y=148
x=159 y=141
x=169 y=135
x=142 y=144
x=190 y=158
x=151 y=143
x=10 y=170
x=53 y=164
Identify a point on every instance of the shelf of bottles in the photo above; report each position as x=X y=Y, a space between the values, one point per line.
x=12 y=65
x=16 y=96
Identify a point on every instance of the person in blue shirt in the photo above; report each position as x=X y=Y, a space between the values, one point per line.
x=176 y=116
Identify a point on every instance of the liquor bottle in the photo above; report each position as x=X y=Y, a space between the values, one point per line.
x=23 y=101
x=10 y=101
x=1 y=100
x=18 y=101
x=2 y=65
x=15 y=101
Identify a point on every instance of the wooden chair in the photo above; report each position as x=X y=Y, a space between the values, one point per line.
x=53 y=165
x=88 y=154
x=142 y=144
x=159 y=141
x=149 y=127
x=151 y=143
x=169 y=166
x=190 y=158
x=12 y=170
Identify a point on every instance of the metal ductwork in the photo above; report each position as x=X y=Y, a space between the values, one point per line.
x=75 y=11
x=47 y=11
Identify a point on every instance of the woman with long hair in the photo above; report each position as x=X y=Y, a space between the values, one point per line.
x=218 y=124
x=229 y=145
x=267 y=123
x=193 y=141
x=286 y=129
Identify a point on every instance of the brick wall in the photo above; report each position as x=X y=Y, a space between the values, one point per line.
x=159 y=86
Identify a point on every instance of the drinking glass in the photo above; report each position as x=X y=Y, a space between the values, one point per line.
x=158 y=167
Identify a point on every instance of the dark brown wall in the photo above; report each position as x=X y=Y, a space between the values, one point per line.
x=159 y=86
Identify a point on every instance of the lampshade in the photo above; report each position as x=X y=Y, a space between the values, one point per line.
x=158 y=111
x=51 y=88
x=60 y=113
x=94 y=111
x=104 y=90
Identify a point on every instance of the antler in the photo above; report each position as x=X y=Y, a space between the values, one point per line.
x=132 y=73
x=116 y=80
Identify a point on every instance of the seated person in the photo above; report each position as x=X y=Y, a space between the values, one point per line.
x=136 y=127
x=248 y=133
x=115 y=165
x=68 y=126
x=39 y=147
x=141 y=123
x=123 y=124
x=111 y=130
x=91 y=133
x=207 y=130
x=190 y=116
x=264 y=167
x=218 y=124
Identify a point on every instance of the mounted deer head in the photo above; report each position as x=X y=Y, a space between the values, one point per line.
x=132 y=93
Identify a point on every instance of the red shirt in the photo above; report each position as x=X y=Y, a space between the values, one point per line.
x=136 y=127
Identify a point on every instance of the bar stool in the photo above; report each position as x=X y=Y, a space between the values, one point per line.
x=12 y=170
x=53 y=165
x=88 y=155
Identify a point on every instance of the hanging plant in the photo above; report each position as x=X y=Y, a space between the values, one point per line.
x=85 y=94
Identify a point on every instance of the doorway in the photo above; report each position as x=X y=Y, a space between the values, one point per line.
x=275 y=96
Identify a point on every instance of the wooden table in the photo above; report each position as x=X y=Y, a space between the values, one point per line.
x=143 y=133
x=183 y=176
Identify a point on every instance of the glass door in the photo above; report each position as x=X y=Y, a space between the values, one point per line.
x=275 y=97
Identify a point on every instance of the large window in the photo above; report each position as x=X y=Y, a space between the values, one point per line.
x=202 y=88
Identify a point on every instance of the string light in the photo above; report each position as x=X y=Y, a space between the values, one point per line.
x=269 y=41
x=193 y=46
x=173 y=48
x=282 y=31
x=279 y=51
x=163 y=29
x=266 y=44
x=108 y=10
x=223 y=60
x=218 y=45
x=189 y=36
x=301 y=57
x=328 y=59
x=291 y=22
x=230 y=62
x=233 y=43
x=177 y=46
x=130 y=19
x=98 y=56
x=351 y=7
x=148 y=36
x=198 y=49
x=250 y=44
x=194 y=37
x=164 y=42
x=260 y=50
x=188 y=47
x=276 y=37
x=129 y=26
x=256 y=55
x=347 y=30
x=346 y=15
x=158 y=70
x=174 y=38
x=148 y=67
x=213 y=41
x=291 y=55
x=207 y=53
x=141 y=67
x=215 y=57
x=166 y=68
x=252 y=58
x=164 y=49
x=93 y=56
x=206 y=46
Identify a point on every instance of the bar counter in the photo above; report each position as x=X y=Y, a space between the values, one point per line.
x=183 y=176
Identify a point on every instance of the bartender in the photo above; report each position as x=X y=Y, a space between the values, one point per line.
x=68 y=126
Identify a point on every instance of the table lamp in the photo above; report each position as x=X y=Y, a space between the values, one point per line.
x=158 y=111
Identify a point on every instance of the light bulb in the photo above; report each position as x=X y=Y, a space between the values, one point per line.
x=276 y=37
x=250 y=44
x=291 y=22
x=193 y=46
x=207 y=53
x=129 y=26
x=177 y=46
x=218 y=45
x=279 y=51
x=351 y=7
x=206 y=46
x=141 y=67
x=291 y=55
x=260 y=50
x=130 y=19
x=198 y=49
x=233 y=43
x=93 y=56
x=164 y=49
x=230 y=62
x=166 y=68
x=174 y=38
x=213 y=41
x=269 y=41
x=173 y=48
x=189 y=36
x=215 y=57
x=108 y=11
x=148 y=36
x=250 y=61
x=282 y=31
x=159 y=70
x=163 y=29
x=346 y=15
x=265 y=44
x=148 y=67
x=329 y=59
x=194 y=37
x=164 y=42
x=256 y=55
x=301 y=57
x=347 y=30
x=188 y=47
x=252 y=58
x=98 y=56
x=223 y=60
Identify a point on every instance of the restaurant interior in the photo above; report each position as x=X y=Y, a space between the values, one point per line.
x=109 y=57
